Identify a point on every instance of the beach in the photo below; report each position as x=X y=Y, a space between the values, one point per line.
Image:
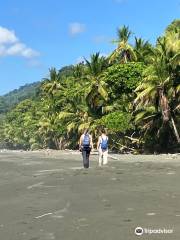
x=48 y=195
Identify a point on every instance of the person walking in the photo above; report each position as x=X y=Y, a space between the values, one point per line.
x=86 y=145
x=102 y=147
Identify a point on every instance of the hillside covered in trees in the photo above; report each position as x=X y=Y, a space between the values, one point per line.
x=134 y=94
x=11 y=99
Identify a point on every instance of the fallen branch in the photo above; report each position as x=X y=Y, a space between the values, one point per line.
x=133 y=139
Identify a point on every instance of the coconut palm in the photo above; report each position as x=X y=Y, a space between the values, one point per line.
x=95 y=86
x=124 y=51
x=52 y=84
x=174 y=26
x=142 y=50
x=158 y=88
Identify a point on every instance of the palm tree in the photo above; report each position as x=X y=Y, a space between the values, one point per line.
x=95 y=86
x=52 y=84
x=84 y=95
x=75 y=116
x=76 y=121
x=124 y=51
x=51 y=89
x=174 y=26
x=158 y=88
x=142 y=50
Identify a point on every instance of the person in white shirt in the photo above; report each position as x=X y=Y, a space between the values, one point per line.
x=102 y=147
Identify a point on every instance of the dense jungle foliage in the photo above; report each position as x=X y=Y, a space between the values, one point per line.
x=134 y=93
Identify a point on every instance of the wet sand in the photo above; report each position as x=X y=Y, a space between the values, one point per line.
x=48 y=195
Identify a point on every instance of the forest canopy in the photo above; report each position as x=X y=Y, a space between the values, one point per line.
x=134 y=93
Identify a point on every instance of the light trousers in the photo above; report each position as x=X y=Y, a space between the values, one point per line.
x=103 y=157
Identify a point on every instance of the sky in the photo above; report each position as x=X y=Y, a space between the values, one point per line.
x=39 y=34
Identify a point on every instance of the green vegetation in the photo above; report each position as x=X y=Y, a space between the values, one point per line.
x=134 y=93
x=9 y=100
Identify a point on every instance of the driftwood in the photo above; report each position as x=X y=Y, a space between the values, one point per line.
x=125 y=147
x=134 y=140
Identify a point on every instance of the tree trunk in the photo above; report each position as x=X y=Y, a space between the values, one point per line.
x=61 y=143
x=164 y=105
x=56 y=143
x=175 y=130
x=125 y=57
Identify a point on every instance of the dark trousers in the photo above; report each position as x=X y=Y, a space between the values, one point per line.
x=85 y=155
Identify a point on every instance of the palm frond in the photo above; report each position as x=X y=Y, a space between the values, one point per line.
x=71 y=127
x=144 y=94
x=178 y=88
x=103 y=92
x=83 y=126
x=64 y=115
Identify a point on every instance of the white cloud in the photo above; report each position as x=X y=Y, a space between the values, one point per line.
x=2 y=50
x=76 y=28
x=7 y=36
x=20 y=49
x=10 y=45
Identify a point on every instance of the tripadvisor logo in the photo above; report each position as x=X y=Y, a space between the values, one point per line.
x=139 y=231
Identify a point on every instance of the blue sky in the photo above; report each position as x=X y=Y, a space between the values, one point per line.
x=38 y=34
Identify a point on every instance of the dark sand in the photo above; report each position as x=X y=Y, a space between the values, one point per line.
x=47 y=195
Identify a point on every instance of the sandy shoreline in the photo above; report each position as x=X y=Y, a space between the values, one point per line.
x=113 y=156
x=47 y=195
